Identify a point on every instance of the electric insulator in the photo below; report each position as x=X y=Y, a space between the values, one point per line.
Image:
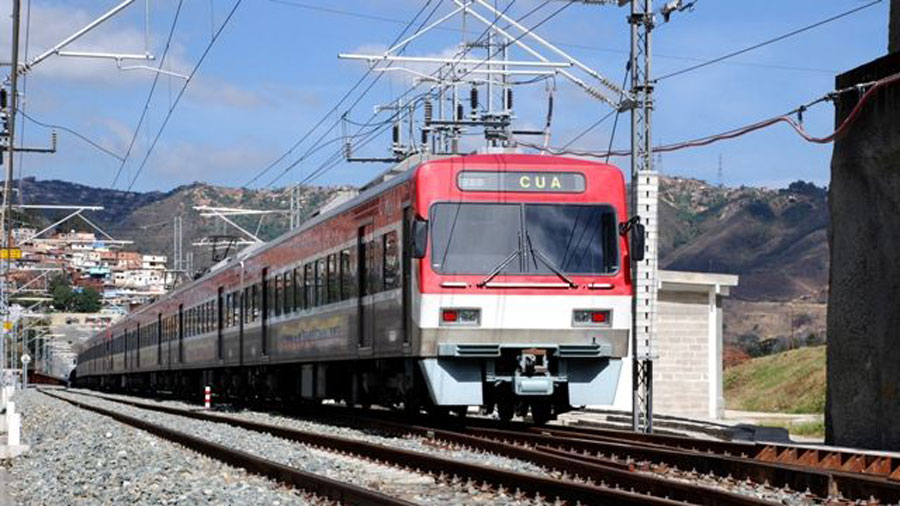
x=2 y=98
x=424 y=137
x=473 y=98
x=396 y=133
x=348 y=150
x=429 y=111
x=509 y=98
x=459 y=112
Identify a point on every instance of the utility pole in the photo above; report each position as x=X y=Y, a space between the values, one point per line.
x=644 y=188
x=7 y=187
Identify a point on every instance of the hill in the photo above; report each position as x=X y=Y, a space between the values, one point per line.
x=788 y=382
x=776 y=240
x=147 y=218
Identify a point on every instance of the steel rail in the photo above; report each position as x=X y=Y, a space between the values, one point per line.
x=345 y=493
x=824 y=458
x=641 y=489
x=825 y=483
x=721 y=458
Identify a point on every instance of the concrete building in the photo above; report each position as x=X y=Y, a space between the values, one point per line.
x=863 y=403
x=153 y=262
x=687 y=376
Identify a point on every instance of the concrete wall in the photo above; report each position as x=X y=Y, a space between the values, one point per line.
x=681 y=379
x=863 y=405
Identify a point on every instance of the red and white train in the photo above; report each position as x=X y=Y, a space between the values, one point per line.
x=492 y=280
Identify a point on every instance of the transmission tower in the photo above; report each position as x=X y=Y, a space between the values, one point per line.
x=720 y=172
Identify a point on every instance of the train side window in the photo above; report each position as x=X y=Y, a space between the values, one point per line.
x=333 y=279
x=298 y=288
x=320 y=282
x=391 y=261
x=227 y=313
x=373 y=267
x=288 y=283
x=256 y=301
x=278 y=295
x=250 y=304
x=309 y=282
x=236 y=308
x=348 y=277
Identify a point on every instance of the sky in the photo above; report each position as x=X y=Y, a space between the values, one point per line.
x=273 y=73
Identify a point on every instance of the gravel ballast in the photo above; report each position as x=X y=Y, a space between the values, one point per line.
x=409 y=485
x=79 y=457
x=408 y=442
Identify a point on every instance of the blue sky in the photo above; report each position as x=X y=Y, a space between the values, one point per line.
x=274 y=73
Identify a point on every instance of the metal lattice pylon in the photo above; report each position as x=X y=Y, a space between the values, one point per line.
x=644 y=188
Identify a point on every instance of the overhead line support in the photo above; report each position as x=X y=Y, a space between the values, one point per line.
x=7 y=187
x=644 y=204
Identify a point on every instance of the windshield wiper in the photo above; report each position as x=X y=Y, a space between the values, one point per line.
x=538 y=254
x=503 y=264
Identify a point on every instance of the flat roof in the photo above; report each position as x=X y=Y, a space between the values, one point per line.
x=684 y=281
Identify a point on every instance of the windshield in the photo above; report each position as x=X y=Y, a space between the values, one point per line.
x=475 y=238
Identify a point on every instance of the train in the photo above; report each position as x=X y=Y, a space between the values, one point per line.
x=497 y=280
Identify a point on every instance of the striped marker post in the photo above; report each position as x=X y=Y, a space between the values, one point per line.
x=207 y=397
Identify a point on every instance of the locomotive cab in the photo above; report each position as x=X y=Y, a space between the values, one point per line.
x=524 y=292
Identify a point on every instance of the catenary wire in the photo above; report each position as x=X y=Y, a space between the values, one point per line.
x=340 y=102
x=146 y=107
x=612 y=135
x=335 y=159
x=73 y=132
x=787 y=118
x=181 y=92
x=330 y=165
x=767 y=42
x=373 y=17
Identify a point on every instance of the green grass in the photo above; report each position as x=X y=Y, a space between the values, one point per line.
x=808 y=429
x=788 y=382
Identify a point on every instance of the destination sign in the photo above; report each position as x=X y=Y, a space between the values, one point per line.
x=534 y=182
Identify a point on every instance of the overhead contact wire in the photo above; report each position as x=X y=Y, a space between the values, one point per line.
x=140 y=122
x=181 y=92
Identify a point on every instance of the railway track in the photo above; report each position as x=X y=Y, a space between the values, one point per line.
x=344 y=493
x=830 y=475
x=602 y=481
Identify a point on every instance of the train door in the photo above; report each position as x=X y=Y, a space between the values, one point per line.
x=220 y=323
x=242 y=313
x=366 y=308
x=406 y=275
x=265 y=306
x=159 y=352
x=137 y=348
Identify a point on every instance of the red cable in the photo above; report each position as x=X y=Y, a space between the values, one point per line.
x=840 y=131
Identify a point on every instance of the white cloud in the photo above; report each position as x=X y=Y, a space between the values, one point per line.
x=185 y=162
x=53 y=23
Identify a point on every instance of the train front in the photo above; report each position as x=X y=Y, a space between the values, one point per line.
x=523 y=298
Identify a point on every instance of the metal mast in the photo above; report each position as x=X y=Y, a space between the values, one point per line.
x=7 y=187
x=644 y=187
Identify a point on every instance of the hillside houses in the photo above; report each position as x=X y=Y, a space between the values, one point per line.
x=124 y=278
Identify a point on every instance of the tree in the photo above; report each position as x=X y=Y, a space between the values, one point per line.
x=77 y=300
x=86 y=300
x=61 y=291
